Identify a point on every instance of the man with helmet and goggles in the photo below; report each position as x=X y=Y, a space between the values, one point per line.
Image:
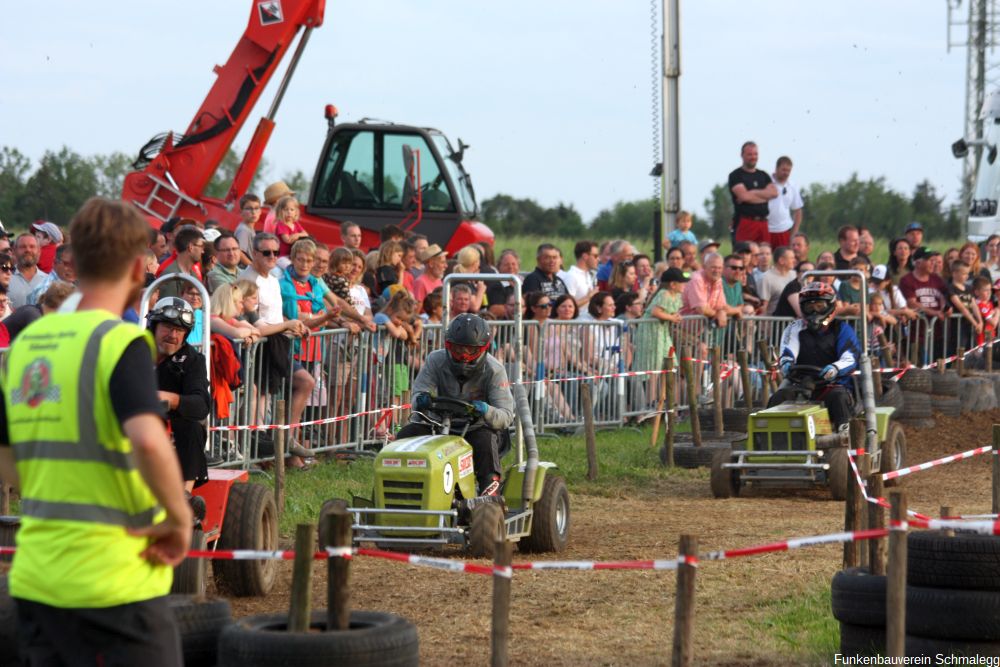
x=183 y=386
x=821 y=341
x=465 y=370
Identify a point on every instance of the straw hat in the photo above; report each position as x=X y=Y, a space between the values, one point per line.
x=276 y=191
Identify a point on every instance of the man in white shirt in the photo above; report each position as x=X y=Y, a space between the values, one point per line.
x=273 y=323
x=581 y=279
x=784 y=212
x=28 y=276
x=772 y=283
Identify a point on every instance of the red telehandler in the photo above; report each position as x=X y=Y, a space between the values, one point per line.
x=372 y=173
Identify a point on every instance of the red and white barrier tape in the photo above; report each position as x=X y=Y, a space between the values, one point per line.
x=981 y=527
x=881 y=502
x=798 y=542
x=314 y=422
x=936 y=462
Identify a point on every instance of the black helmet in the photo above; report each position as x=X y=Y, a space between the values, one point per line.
x=467 y=339
x=817 y=301
x=172 y=310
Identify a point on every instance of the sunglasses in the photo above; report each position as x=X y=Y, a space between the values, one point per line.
x=543 y=305
x=8 y=268
x=733 y=267
x=268 y=253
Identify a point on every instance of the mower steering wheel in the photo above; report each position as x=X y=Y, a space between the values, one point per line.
x=803 y=369
x=455 y=407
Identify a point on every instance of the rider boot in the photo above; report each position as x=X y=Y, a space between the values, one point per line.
x=198 y=507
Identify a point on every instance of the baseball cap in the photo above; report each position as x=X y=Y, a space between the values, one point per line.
x=880 y=272
x=50 y=229
x=673 y=275
x=914 y=226
x=741 y=247
x=923 y=252
x=706 y=244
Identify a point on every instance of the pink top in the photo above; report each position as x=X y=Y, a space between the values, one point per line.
x=270 y=222
x=285 y=249
x=698 y=292
x=424 y=285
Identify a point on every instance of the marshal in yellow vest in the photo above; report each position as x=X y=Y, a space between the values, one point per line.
x=80 y=488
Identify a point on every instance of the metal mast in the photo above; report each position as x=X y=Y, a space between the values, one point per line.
x=977 y=33
x=671 y=183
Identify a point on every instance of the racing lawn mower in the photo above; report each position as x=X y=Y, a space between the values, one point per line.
x=794 y=445
x=425 y=492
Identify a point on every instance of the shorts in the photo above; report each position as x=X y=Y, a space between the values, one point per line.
x=779 y=239
x=749 y=229
x=297 y=366
x=139 y=633
x=400 y=379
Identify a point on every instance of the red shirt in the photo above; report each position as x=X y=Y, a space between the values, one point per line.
x=310 y=350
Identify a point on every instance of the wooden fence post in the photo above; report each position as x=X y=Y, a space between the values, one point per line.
x=960 y=361
x=501 y=604
x=989 y=354
x=945 y=513
x=854 y=507
x=717 y=389
x=684 y=605
x=895 y=581
x=586 y=394
x=996 y=469
x=338 y=570
x=768 y=362
x=876 y=377
x=876 y=519
x=668 y=437
x=280 y=438
x=743 y=360
x=300 y=605
x=661 y=399
x=886 y=352
x=692 y=391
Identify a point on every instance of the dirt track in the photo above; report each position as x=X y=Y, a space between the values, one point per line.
x=625 y=618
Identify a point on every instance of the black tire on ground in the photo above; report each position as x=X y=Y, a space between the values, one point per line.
x=189 y=576
x=924 y=646
x=949 y=406
x=323 y=539
x=686 y=455
x=374 y=639
x=918 y=422
x=251 y=522
x=8 y=625
x=486 y=526
x=894 y=452
x=857 y=597
x=725 y=483
x=944 y=613
x=965 y=561
x=944 y=384
x=550 y=520
x=916 y=380
x=733 y=419
x=861 y=640
x=199 y=624
x=915 y=405
x=892 y=397
x=839 y=474
x=970 y=390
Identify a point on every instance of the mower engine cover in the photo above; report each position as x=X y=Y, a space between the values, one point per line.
x=422 y=473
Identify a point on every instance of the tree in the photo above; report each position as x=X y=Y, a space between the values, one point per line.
x=525 y=216
x=870 y=203
x=111 y=171
x=14 y=168
x=719 y=207
x=626 y=219
x=63 y=181
x=297 y=181
x=219 y=186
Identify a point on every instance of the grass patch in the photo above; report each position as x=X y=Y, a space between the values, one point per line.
x=626 y=462
x=802 y=626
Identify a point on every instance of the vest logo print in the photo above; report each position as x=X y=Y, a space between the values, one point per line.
x=36 y=385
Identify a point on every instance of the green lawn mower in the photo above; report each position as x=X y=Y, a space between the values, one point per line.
x=794 y=444
x=425 y=493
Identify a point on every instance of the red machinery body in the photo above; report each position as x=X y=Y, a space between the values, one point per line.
x=371 y=173
x=215 y=492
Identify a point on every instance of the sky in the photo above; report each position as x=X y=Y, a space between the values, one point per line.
x=555 y=98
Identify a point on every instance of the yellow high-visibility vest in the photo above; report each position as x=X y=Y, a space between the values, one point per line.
x=80 y=489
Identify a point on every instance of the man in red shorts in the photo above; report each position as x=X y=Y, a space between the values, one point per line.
x=751 y=189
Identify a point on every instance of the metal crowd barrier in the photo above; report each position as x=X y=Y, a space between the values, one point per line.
x=364 y=374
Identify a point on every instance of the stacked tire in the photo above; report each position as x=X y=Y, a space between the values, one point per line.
x=978 y=393
x=952 y=599
x=952 y=594
x=916 y=386
x=945 y=393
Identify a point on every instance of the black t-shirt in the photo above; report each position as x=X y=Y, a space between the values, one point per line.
x=20 y=318
x=133 y=388
x=536 y=281
x=841 y=264
x=755 y=180
x=784 y=309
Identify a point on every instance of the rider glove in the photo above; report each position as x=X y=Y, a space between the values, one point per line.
x=829 y=372
x=786 y=367
x=422 y=401
x=481 y=408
